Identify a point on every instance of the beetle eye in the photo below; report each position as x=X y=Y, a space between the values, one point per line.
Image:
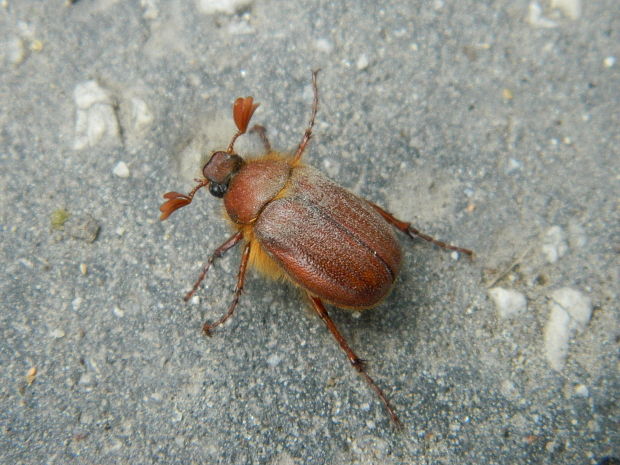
x=218 y=190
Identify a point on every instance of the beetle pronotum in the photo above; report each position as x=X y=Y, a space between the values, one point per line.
x=298 y=225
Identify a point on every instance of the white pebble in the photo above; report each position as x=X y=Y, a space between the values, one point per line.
x=332 y=167
x=509 y=390
x=77 y=303
x=609 y=61
x=86 y=94
x=577 y=305
x=536 y=18
x=513 y=165
x=229 y=7
x=273 y=360
x=118 y=312
x=362 y=62
x=570 y=310
x=323 y=45
x=554 y=244
x=150 y=9
x=508 y=302
x=57 y=333
x=577 y=236
x=141 y=115
x=581 y=391
x=570 y=8
x=121 y=170
x=239 y=28
x=96 y=119
x=13 y=51
x=556 y=338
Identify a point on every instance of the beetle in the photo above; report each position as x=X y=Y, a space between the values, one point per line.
x=297 y=224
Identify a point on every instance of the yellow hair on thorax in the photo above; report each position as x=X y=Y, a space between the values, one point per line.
x=259 y=259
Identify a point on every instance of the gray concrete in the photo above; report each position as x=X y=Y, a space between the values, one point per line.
x=492 y=125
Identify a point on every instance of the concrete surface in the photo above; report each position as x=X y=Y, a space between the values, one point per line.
x=493 y=125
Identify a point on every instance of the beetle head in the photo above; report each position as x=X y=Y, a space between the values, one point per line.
x=220 y=169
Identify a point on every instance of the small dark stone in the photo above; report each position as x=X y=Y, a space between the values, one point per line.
x=609 y=461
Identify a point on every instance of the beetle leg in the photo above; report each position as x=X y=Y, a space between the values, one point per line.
x=245 y=257
x=413 y=233
x=262 y=133
x=219 y=252
x=315 y=107
x=355 y=361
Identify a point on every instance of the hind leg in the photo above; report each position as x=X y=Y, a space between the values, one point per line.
x=413 y=233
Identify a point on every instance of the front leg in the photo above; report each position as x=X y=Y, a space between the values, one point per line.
x=219 y=252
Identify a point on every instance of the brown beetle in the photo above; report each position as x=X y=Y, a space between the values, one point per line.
x=299 y=225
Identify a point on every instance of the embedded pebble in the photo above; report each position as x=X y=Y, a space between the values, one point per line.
x=36 y=45
x=536 y=18
x=228 y=7
x=554 y=244
x=577 y=305
x=362 y=62
x=121 y=170
x=323 y=45
x=83 y=227
x=570 y=311
x=240 y=27
x=513 y=166
x=151 y=11
x=141 y=114
x=96 y=120
x=577 y=237
x=89 y=93
x=570 y=8
x=13 y=51
x=31 y=376
x=57 y=333
x=77 y=303
x=332 y=167
x=509 y=390
x=581 y=391
x=273 y=360
x=508 y=302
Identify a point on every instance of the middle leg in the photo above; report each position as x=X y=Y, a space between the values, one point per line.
x=245 y=258
x=219 y=252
